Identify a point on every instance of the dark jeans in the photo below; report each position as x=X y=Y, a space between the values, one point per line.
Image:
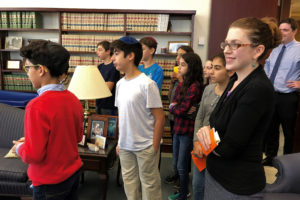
x=182 y=147
x=66 y=190
x=198 y=183
x=285 y=114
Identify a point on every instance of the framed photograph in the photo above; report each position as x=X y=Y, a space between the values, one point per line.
x=12 y=42
x=97 y=125
x=113 y=128
x=13 y=64
x=83 y=141
x=173 y=46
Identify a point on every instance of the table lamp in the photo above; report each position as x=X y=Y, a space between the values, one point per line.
x=87 y=83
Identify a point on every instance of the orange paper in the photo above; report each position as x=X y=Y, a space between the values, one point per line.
x=199 y=162
x=213 y=144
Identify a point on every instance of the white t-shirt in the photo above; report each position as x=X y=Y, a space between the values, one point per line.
x=134 y=98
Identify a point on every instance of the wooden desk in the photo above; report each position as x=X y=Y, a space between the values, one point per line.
x=98 y=161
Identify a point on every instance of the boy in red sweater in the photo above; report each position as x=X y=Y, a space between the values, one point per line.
x=53 y=124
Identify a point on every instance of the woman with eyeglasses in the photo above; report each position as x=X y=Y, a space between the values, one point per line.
x=242 y=115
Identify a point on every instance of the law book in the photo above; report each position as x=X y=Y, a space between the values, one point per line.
x=4 y=18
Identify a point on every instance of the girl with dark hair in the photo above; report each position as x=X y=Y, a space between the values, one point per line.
x=187 y=94
x=211 y=95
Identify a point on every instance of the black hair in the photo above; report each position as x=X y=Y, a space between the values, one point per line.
x=221 y=56
x=50 y=54
x=291 y=22
x=194 y=73
x=186 y=48
x=135 y=48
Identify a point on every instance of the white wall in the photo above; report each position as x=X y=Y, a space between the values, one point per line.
x=202 y=7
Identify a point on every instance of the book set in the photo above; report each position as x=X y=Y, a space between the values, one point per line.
x=20 y=20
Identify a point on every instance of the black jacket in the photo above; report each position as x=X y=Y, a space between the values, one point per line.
x=242 y=119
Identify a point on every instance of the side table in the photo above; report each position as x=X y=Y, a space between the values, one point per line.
x=98 y=161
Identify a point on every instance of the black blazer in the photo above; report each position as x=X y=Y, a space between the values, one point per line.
x=242 y=119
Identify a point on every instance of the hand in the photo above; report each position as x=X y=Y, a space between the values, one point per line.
x=172 y=105
x=203 y=137
x=156 y=147
x=192 y=110
x=117 y=150
x=197 y=150
x=293 y=84
x=14 y=148
x=179 y=77
x=174 y=76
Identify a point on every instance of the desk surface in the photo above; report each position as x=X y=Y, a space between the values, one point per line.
x=110 y=145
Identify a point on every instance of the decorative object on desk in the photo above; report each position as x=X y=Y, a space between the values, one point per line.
x=92 y=147
x=87 y=83
x=112 y=130
x=100 y=141
x=13 y=64
x=163 y=50
x=173 y=46
x=12 y=42
x=83 y=141
x=97 y=125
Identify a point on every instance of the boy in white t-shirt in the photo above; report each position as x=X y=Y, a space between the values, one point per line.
x=141 y=121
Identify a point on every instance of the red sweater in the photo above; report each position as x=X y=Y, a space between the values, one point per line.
x=53 y=127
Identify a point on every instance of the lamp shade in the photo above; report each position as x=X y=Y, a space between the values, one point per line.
x=88 y=83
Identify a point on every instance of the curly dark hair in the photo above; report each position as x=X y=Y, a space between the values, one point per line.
x=50 y=54
x=194 y=73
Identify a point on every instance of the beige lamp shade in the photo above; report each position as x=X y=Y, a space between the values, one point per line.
x=88 y=83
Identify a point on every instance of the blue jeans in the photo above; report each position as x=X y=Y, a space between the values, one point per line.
x=65 y=190
x=198 y=183
x=182 y=147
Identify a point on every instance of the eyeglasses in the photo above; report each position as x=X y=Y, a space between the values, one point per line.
x=233 y=46
x=27 y=67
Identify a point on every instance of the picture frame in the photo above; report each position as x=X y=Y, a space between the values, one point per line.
x=83 y=141
x=13 y=64
x=97 y=125
x=113 y=127
x=12 y=42
x=173 y=46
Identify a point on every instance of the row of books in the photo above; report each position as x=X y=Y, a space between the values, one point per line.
x=147 y=22
x=19 y=82
x=167 y=65
x=20 y=19
x=92 y=21
x=85 y=43
x=83 y=60
x=114 y=22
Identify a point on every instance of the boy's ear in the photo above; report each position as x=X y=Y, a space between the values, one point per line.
x=131 y=56
x=43 y=70
x=152 y=51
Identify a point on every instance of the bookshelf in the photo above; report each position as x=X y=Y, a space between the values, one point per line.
x=79 y=30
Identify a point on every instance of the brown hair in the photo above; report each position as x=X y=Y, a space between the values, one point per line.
x=150 y=42
x=260 y=32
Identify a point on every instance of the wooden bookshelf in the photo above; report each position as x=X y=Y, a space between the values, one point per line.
x=179 y=27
